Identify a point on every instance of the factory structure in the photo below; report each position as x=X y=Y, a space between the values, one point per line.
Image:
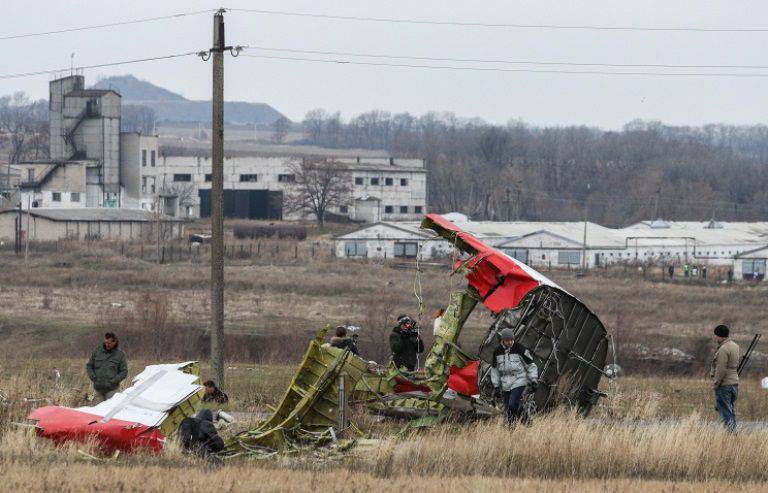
x=255 y=187
x=739 y=245
x=91 y=164
x=121 y=176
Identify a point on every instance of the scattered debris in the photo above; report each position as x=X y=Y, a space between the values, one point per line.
x=142 y=416
x=568 y=343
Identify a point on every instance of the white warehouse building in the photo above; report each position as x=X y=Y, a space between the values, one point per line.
x=561 y=244
x=382 y=189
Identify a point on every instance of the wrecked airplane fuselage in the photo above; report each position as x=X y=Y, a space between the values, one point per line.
x=568 y=342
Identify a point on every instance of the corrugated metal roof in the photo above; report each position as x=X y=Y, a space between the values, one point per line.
x=678 y=233
x=90 y=214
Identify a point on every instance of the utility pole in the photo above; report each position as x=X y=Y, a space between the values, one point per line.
x=584 y=246
x=26 y=233
x=217 y=200
x=217 y=192
x=508 y=202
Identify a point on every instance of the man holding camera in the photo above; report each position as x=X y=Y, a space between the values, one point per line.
x=405 y=342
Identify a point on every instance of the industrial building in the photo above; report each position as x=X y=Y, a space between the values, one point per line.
x=561 y=244
x=382 y=189
x=87 y=224
x=92 y=164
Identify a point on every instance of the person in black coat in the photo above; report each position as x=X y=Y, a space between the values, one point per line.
x=214 y=394
x=342 y=341
x=199 y=436
x=405 y=343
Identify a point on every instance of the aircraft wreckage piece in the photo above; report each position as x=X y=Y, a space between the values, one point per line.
x=140 y=417
x=568 y=342
x=310 y=406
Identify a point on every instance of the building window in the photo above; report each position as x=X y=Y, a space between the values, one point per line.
x=407 y=250
x=374 y=181
x=143 y=183
x=74 y=197
x=286 y=178
x=355 y=249
x=358 y=180
x=388 y=209
x=388 y=182
x=153 y=190
x=343 y=209
x=403 y=182
x=208 y=177
x=517 y=254
x=152 y=159
x=418 y=209
x=403 y=209
x=753 y=269
x=249 y=177
x=182 y=177
x=567 y=257
x=143 y=158
x=56 y=196
x=30 y=175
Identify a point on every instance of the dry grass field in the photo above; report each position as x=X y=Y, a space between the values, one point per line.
x=656 y=431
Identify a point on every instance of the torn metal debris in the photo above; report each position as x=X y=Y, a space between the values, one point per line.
x=568 y=343
x=141 y=417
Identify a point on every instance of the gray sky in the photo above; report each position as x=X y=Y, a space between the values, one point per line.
x=296 y=87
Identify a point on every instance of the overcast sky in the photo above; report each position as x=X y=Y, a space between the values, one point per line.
x=294 y=87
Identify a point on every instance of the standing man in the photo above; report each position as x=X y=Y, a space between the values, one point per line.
x=107 y=368
x=512 y=370
x=405 y=343
x=725 y=378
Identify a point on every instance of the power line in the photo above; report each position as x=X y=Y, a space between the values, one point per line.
x=514 y=70
x=500 y=25
x=103 y=26
x=99 y=65
x=499 y=61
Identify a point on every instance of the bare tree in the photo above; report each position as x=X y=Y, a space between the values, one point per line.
x=314 y=124
x=280 y=129
x=137 y=118
x=22 y=121
x=318 y=185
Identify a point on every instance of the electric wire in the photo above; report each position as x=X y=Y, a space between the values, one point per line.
x=512 y=70
x=432 y=22
x=103 y=26
x=498 y=61
x=98 y=65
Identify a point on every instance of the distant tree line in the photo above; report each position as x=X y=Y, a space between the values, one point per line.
x=23 y=128
x=519 y=171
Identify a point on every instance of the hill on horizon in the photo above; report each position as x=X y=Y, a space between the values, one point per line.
x=173 y=107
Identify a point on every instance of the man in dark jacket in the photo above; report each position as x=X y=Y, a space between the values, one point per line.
x=405 y=342
x=214 y=394
x=199 y=436
x=106 y=368
x=342 y=341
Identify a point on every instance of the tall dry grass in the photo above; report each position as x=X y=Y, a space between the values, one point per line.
x=562 y=446
x=257 y=478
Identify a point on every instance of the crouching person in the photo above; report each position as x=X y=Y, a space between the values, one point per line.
x=342 y=340
x=512 y=370
x=199 y=436
x=214 y=393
